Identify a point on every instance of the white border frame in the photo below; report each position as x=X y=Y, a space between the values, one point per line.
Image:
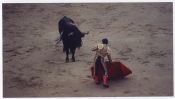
x=80 y=1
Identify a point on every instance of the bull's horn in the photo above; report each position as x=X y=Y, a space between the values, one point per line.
x=87 y=33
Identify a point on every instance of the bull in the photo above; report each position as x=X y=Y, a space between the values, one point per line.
x=70 y=36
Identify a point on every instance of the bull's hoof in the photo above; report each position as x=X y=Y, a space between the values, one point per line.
x=73 y=59
x=67 y=60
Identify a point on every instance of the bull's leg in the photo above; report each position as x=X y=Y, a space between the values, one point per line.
x=67 y=55
x=73 y=53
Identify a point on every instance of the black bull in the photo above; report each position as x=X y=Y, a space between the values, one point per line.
x=70 y=36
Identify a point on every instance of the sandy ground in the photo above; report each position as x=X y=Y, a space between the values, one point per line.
x=140 y=35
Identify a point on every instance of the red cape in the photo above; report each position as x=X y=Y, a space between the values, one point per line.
x=115 y=70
